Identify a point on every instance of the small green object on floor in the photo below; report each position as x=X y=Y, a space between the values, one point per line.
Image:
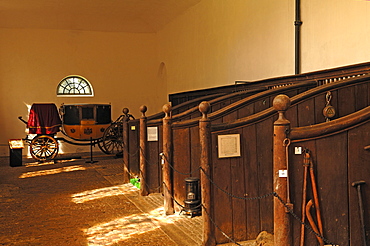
x=135 y=182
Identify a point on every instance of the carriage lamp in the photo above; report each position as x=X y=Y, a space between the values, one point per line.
x=192 y=202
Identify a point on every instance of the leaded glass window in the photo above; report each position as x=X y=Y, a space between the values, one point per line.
x=74 y=86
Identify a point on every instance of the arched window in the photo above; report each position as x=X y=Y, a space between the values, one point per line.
x=74 y=86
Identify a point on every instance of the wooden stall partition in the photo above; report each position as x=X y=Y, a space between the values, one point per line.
x=259 y=103
x=241 y=208
x=253 y=98
x=186 y=138
x=182 y=160
x=153 y=158
x=257 y=155
x=133 y=147
x=338 y=159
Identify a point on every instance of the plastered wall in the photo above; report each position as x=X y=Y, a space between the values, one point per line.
x=220 y=41
x=214 y=43
x=122 y=68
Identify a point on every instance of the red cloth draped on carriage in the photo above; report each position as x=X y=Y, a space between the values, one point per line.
x=43 y=119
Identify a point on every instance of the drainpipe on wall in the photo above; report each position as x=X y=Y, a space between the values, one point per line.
x=298 y=24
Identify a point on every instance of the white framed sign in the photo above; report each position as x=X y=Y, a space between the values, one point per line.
x=16 y=143
x=152 y=133
x=228 y=145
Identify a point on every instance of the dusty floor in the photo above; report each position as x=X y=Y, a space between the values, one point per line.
x=79 y=202
x=71 y=203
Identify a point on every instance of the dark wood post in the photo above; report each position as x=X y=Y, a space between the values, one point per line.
x=166 y=161
x=282 y=226
x=206 y=165
x=126 y=168
x=143 y=151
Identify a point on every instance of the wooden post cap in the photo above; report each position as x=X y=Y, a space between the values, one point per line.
x=281 y=102
x=204 y=108
x=125 y=111
x=167 y=109
x=143 y=110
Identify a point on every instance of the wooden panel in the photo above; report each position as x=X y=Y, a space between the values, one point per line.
x=262 y=104
x=221 y=202
x=181 y=162
x=296 y=171
x=153 y=166
x=215 y=107
x=320 y=104
x=195 y=151
x=361 y=96
x=331 y=173
x=196 y=114
x=346 y=101
x=305 y=113
x=230 y=117
x=238 y=189
x=333 y=102
x=249 y=155
x=264 y=162
x=359 y=169
x=291 y=93
x=134 y=148
x=245 y=111
x=291 y=115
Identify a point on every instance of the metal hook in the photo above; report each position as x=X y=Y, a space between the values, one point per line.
x=328 y=98
x=286 y=142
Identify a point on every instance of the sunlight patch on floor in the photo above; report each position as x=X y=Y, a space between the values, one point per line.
x=119 y=230
x=123 y=228
x=102 y=192
x=52 y=171
x=37 y=163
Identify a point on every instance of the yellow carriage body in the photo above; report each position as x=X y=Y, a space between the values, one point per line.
x=86 y=121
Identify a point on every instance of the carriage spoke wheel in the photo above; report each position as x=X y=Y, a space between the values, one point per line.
x=43 y=147
x=112 y=142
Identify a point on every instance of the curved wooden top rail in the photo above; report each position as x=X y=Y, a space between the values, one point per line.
x=160 y=115
x=294 y=100
x=236 y=105
x=328 y=128
x=262 y=85
x=186 y=113
x=331 y=73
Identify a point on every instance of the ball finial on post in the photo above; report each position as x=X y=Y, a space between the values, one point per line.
x=204 y=108
x=125 y=111
x=167 y=109
x=143 y=110
x=281 y=103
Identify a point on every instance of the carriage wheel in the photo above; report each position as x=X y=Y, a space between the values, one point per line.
x=43 y=147
x=112 y=142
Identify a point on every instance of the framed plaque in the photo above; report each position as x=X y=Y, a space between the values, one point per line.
x=152 y=133
x=229 y=145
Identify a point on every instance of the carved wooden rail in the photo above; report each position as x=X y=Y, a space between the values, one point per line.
x=336 y=147
x=235 y=110
x=333 y=73
x=155 y=147
x=254 y=177
x=257 y=126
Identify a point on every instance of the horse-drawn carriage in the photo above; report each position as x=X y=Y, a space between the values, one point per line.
x=81 y=124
